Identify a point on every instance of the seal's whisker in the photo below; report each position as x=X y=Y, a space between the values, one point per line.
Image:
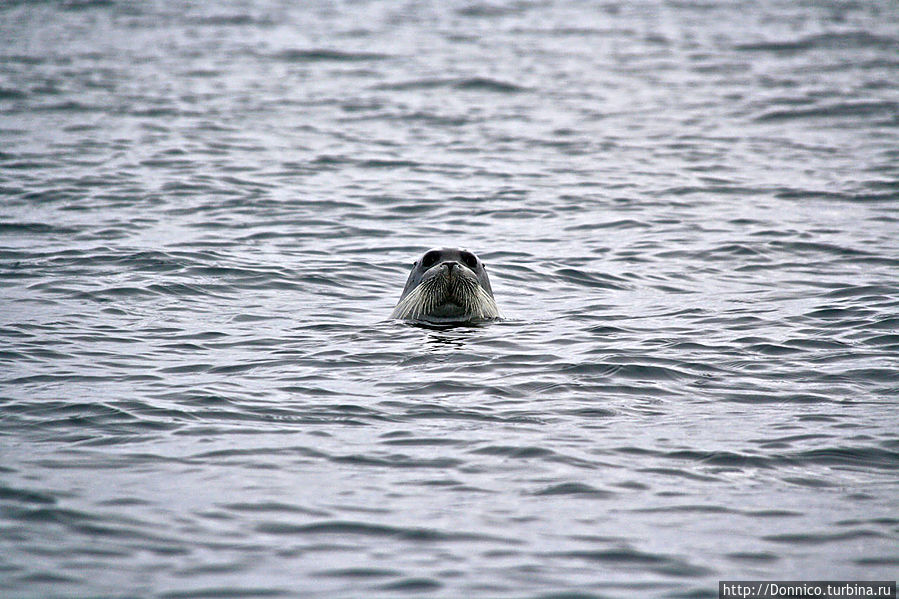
x=447 y=285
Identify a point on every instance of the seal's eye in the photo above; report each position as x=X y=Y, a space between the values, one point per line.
x=429 y=259
x=470 y=260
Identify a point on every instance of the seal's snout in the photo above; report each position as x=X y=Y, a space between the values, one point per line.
x=447 y=285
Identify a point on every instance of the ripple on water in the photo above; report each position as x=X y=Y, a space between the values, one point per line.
x=208 y=213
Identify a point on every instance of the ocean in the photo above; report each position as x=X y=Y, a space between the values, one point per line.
x=688 y=211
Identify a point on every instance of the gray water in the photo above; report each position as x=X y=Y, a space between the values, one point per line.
x=208 y=211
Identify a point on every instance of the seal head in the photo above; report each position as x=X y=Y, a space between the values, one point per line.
x=447 y=285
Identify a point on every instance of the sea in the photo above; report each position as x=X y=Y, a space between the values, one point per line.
x=689 y=212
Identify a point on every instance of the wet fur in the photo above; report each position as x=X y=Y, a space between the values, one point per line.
x=445 y=297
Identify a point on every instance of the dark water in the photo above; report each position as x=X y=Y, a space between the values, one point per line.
x=207 y=213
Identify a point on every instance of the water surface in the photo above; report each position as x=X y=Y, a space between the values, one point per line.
x=207 y=214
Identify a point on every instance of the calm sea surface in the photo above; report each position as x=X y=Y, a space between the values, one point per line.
x=690 y=214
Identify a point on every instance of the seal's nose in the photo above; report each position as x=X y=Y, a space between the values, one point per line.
x=449 y=267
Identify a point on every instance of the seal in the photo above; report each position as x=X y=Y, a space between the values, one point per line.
x=447 y=285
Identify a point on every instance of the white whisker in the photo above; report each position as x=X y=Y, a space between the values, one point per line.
x=444 y=295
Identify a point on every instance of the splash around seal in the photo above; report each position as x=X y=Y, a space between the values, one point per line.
x=446 y=286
